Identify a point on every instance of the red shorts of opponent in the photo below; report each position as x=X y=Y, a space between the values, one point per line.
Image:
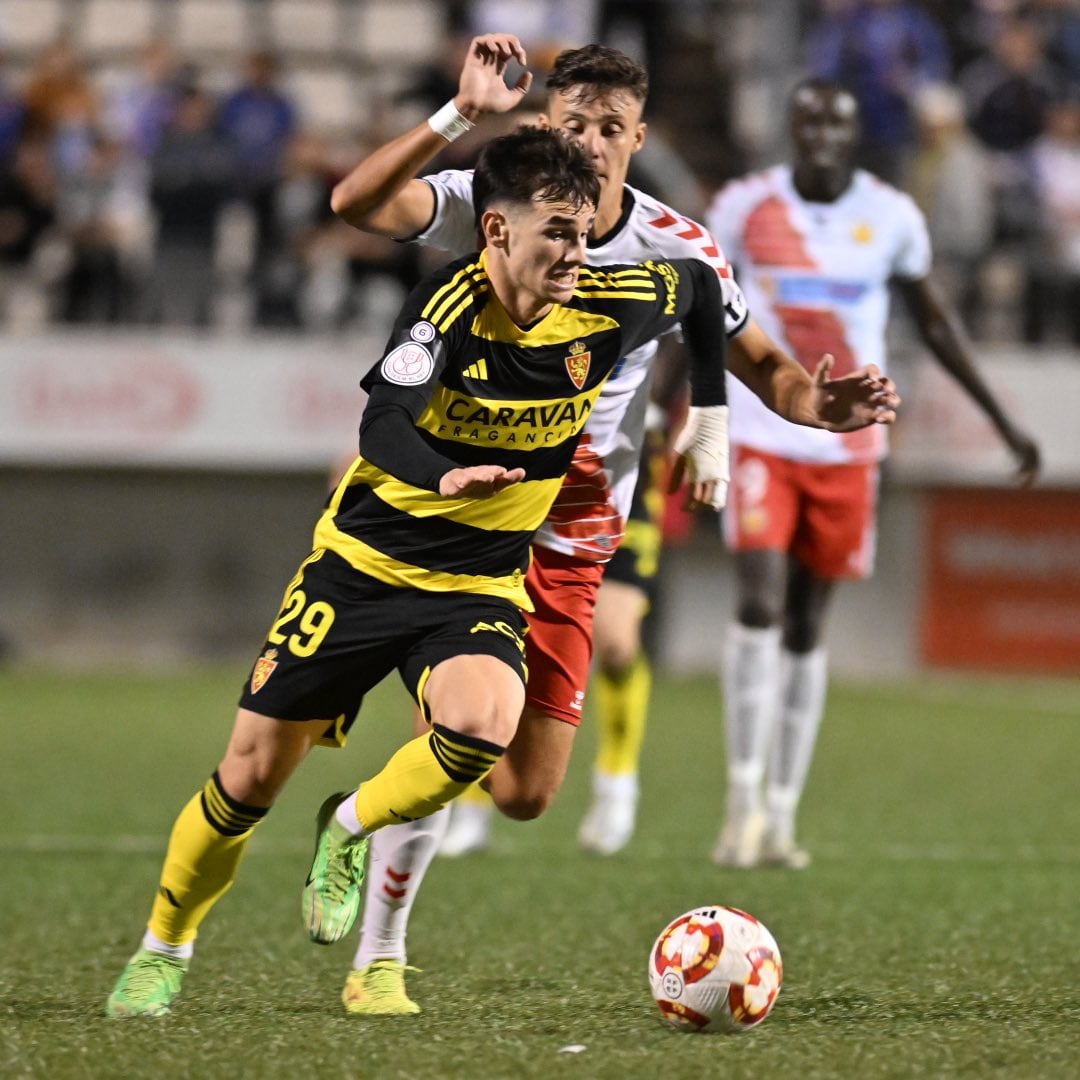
x=558 y=646
x=824 y=515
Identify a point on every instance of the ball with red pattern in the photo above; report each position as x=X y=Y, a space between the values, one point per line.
x=715 y=969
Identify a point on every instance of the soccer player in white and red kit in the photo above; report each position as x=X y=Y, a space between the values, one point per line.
x=817 y=245
x=597 y=96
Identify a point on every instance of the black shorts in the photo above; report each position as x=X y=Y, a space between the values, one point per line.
x=341 y=632
x=637 y=559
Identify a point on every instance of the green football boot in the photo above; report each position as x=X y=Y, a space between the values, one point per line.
x=147 y=985
x=331 y=896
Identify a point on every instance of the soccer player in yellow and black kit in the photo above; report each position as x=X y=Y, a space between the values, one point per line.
x=419 y=559
x=621 y=679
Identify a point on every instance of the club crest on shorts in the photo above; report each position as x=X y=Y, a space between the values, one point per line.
x=577 y=363
x=264 y=668
x=408 y=365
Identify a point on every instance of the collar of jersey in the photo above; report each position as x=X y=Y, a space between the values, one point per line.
x=624 y=217
x=505 y=329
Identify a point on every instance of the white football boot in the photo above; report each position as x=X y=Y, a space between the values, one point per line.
x=739 y=843
x=781 y=851
x=609 y=823
x=469 y=830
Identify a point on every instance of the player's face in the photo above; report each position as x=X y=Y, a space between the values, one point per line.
x=609 y=127
x=824 y=128
x=541 y=248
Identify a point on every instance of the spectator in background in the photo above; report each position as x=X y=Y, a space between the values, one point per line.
x=1054 y=278
x=1008 y=90
x=950 y=181
x=884 y=50
x=259 y=121
x=640 y=28
x=94 y=288
x=12 y=118
x=192 y=177
x=139 y=109
x=381 y=272
x=302 y=220
x=62 y=104
x=547 y=25
x=1059 y=24
x=135 y=114
x=28 y=193
x=1007 y=93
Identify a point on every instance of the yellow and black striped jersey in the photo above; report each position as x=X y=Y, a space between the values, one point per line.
x=460 y=384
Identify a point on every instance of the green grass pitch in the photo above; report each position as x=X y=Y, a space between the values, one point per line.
x=936 y=934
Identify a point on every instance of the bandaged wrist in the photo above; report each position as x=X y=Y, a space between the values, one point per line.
x=703 y=442
x=449 y=123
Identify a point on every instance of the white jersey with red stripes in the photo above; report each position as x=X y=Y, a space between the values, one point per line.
x=589 y=514
x=816 y=275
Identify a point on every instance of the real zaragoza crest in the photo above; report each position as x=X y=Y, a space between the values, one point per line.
x=577 y=363
x=264 y=668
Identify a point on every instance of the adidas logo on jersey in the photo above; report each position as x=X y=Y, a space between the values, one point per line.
x=476 y=371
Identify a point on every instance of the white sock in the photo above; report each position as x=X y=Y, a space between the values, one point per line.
x=751 y=673
x=802 y=703
x=612 y=786
x=469 y=813
x=155 y=944
x=400 y=856
x=346 y=815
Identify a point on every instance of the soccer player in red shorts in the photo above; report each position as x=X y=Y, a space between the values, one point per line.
x=822 y=515
x=818 y=244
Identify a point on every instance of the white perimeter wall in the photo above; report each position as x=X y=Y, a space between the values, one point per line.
x=157 y=492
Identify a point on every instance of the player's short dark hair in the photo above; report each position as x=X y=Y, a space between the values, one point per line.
x=534 y=163
x=594 y=70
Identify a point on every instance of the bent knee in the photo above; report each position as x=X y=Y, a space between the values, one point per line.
x=758 y=614
x=491 y=723
x=523 y=805
x=617 y=658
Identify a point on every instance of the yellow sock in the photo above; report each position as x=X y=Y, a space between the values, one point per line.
x=621 y=708
x=204 y=851
x=474 y=795
x=423 y=776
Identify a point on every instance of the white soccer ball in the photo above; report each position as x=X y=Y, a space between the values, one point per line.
x=715 y=969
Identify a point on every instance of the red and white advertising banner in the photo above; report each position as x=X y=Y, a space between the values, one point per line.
x=1002 y=587
x=136 y=399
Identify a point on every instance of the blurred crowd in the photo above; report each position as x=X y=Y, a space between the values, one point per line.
x=973 y=106
x=163 y=201
x=163 y=196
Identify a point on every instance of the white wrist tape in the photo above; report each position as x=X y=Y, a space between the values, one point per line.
x=449 y=123
x=703 y=442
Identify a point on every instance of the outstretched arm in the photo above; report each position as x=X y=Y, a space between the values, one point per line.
x=854 y=401
x=941 y=330
x=382 y=195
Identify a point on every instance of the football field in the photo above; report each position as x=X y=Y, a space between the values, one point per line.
x=936 y=934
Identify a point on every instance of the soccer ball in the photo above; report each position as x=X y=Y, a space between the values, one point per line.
x=715 y=969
